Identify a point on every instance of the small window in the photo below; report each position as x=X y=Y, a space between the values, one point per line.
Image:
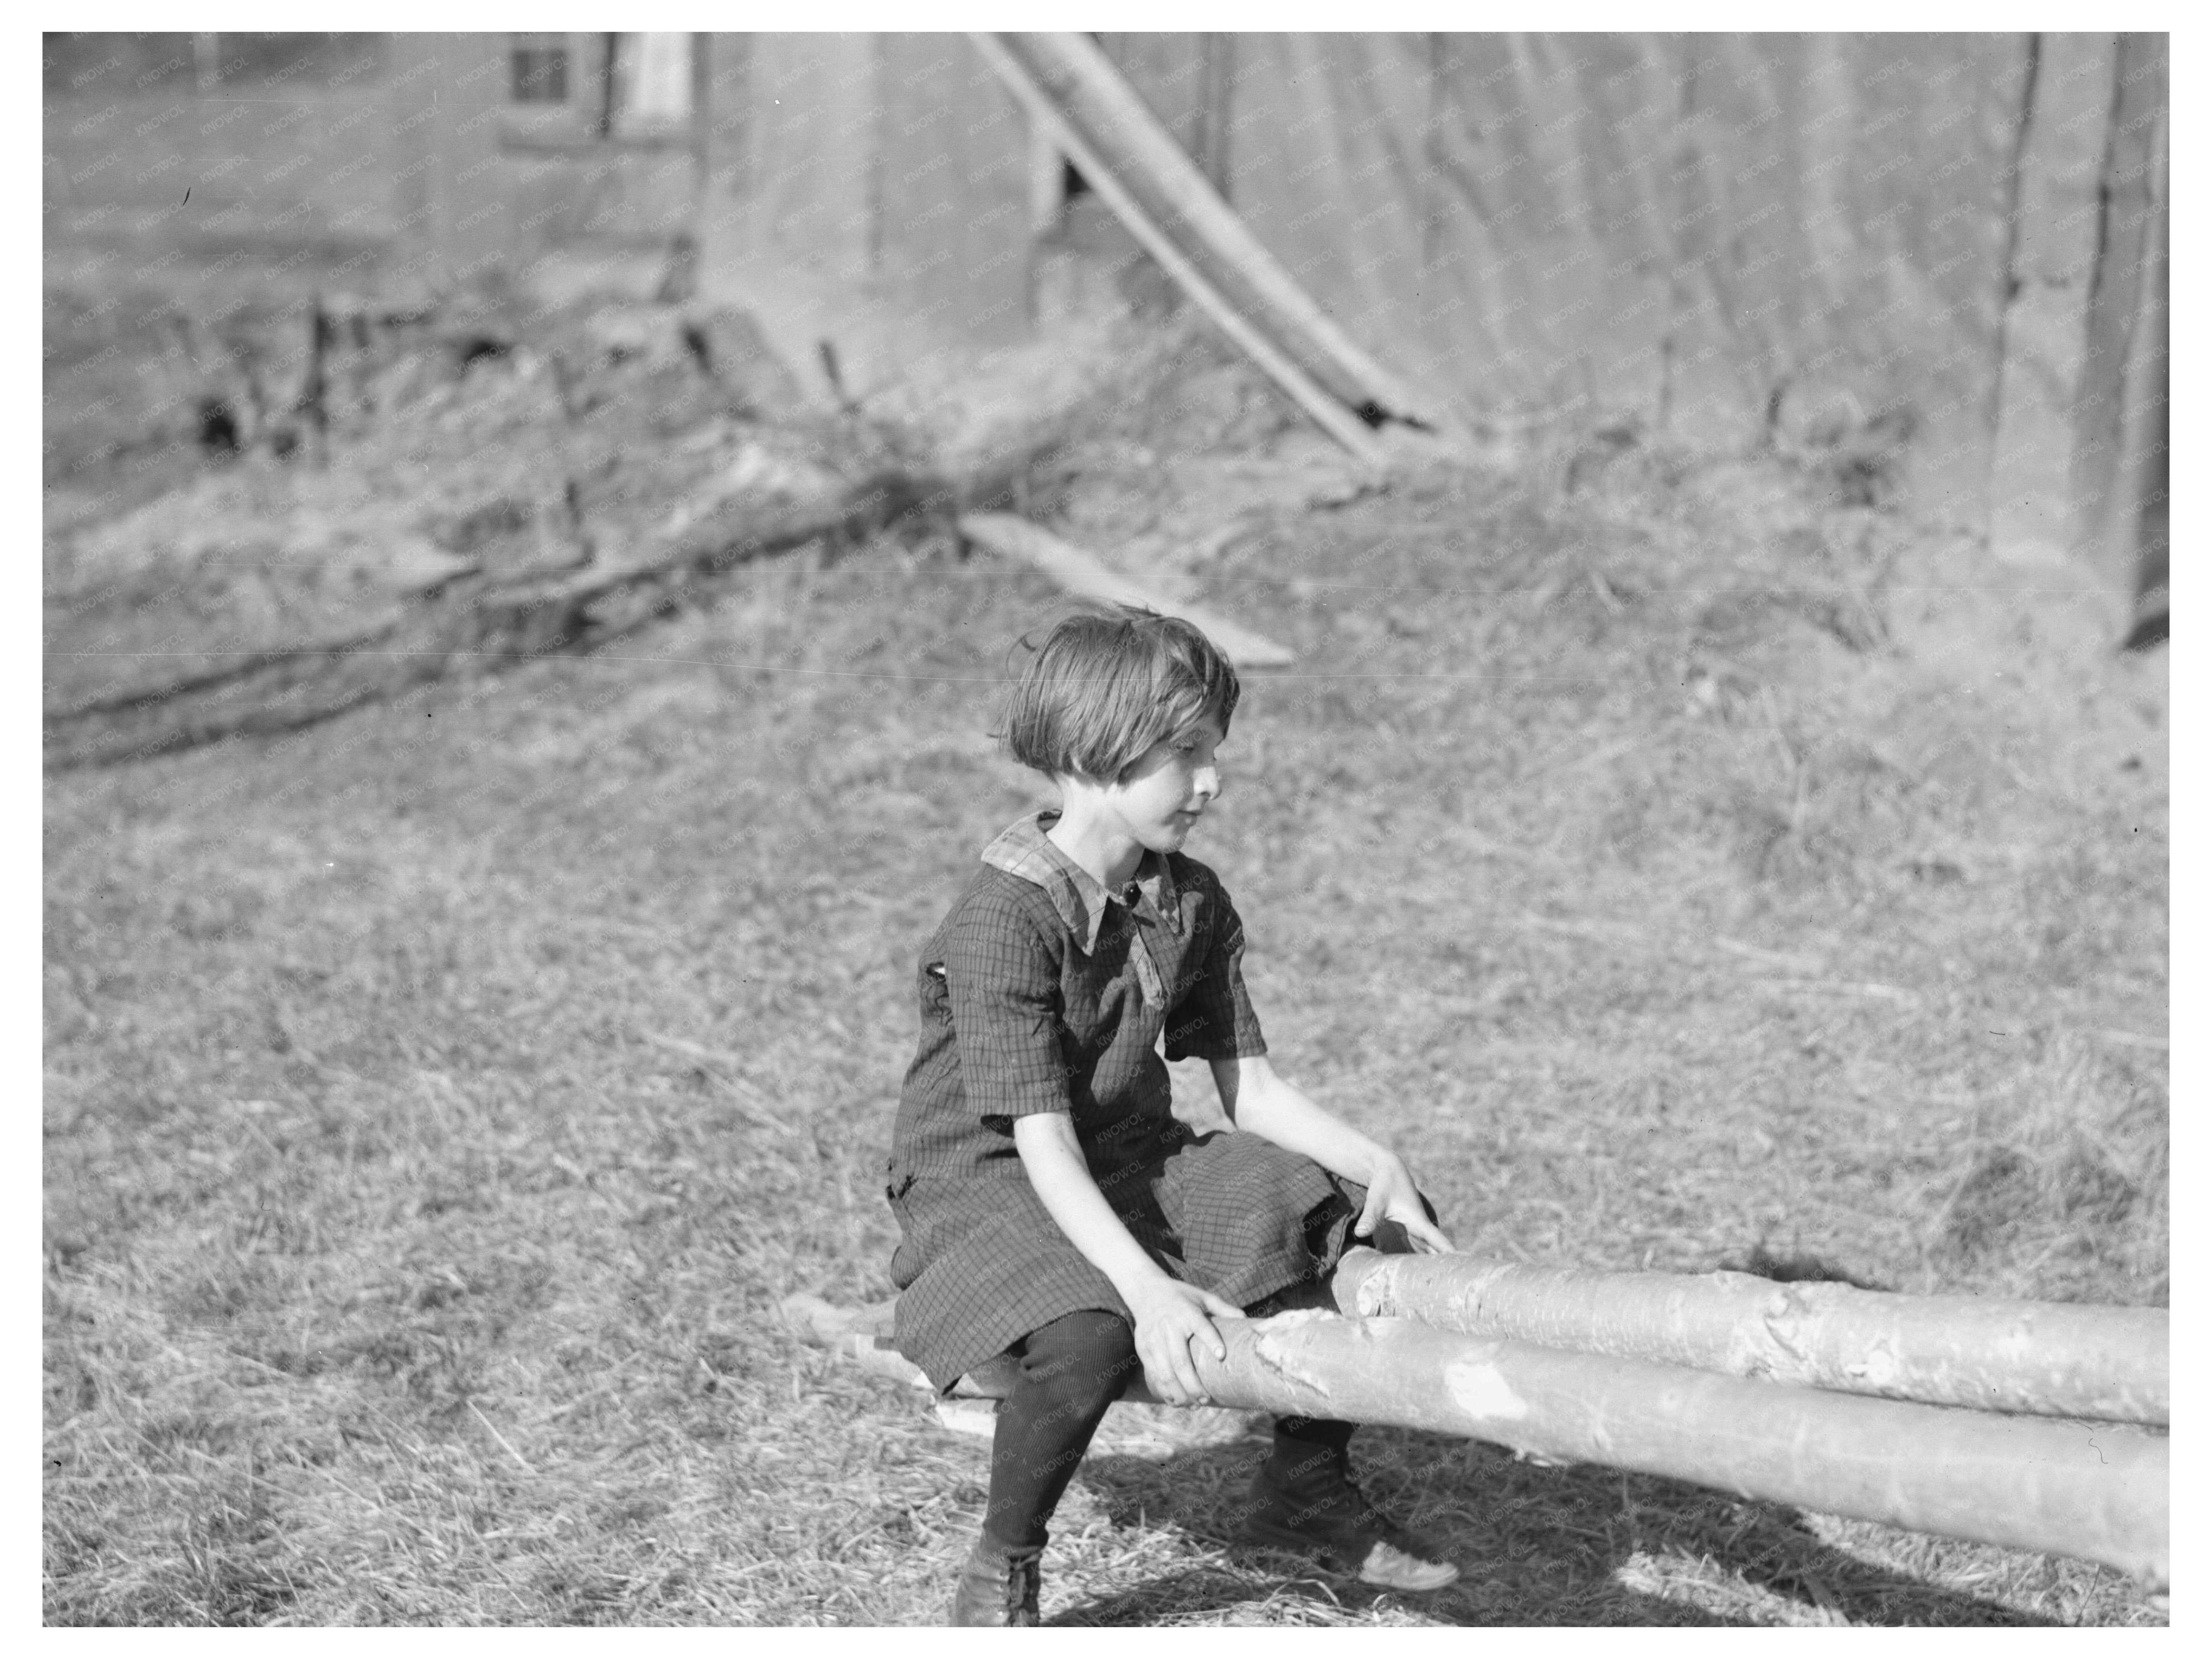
x=540 y=68
x=652 y=89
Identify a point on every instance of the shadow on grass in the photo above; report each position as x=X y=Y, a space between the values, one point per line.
x=1535 y=1546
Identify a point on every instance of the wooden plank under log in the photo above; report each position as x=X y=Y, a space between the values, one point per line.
x=1015 y=537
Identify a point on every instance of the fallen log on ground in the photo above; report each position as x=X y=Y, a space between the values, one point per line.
x=1014 y=538
x=475 y=623
x=2059 y=1359
x=2016 y=1482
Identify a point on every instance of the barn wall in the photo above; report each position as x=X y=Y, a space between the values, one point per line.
x=445 y=96
x=1671 y=226
x=1695 y=231
x=299 y=164
x=476 y=193
x=1183 y=77
x=415 y=154
x=951 y=192
x=609 y=193
x=871 y=190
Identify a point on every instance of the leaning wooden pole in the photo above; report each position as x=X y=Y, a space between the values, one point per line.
x=2100 y=1495
x=2061 y=1359
x=1153 y=168
x=1300 y=386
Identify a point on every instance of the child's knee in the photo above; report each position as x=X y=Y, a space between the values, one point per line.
x=1089 y=1353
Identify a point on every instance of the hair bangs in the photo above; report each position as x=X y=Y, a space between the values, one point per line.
x=1108 y=684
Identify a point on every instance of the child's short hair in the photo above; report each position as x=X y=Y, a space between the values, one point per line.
x=1108 y=684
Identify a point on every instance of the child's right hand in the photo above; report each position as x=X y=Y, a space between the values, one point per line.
x=1171 y=1316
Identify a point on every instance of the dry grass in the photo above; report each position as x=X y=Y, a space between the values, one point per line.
x=1673 y=868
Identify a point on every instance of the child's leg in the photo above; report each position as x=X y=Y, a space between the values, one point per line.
x=1071 y=1371
x=1303 y=1495
x=1305 y=1441
x=1303 y=1444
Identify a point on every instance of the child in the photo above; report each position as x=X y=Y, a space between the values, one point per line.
x=1050 y=1204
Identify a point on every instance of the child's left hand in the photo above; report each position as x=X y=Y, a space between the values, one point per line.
x=1391 y=1196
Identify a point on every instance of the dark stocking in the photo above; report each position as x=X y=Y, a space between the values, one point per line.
x=1305 y=1445
x=1072 y=1371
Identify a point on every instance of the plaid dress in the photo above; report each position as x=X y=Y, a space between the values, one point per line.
x=1042 y=992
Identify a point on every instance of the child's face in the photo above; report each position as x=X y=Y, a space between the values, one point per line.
x=1163 y=791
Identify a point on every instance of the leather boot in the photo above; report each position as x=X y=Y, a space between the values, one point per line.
x=1315 y=1509
x=998 y=1586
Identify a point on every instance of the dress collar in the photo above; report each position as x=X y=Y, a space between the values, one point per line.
x=1023 y=849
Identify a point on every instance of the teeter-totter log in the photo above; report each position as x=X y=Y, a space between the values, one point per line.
x=2096 y=1492
x=2099 y=1494
x=2058 y=1360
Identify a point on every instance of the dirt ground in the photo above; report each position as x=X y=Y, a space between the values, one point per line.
x=1681 y=863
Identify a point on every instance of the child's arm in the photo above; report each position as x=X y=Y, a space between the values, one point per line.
x=1263 y=1103
x=1169 y=1313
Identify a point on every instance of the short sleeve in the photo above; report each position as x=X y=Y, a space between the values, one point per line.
x=1003 y=983
x=1213 y=1018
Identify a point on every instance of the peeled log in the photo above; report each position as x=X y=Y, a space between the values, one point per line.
x=2100 y=1495
x=2059 y=1359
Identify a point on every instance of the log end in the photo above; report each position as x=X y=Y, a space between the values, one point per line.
x=829 y=1326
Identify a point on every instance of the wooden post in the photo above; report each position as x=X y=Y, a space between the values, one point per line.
x=313 y=403
x=2056 y=1358
x=2113 y=411
x=703 y=104
x=610 y=82
x=1216 y=54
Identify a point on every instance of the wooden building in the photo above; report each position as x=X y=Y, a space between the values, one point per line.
x=1949 y=247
